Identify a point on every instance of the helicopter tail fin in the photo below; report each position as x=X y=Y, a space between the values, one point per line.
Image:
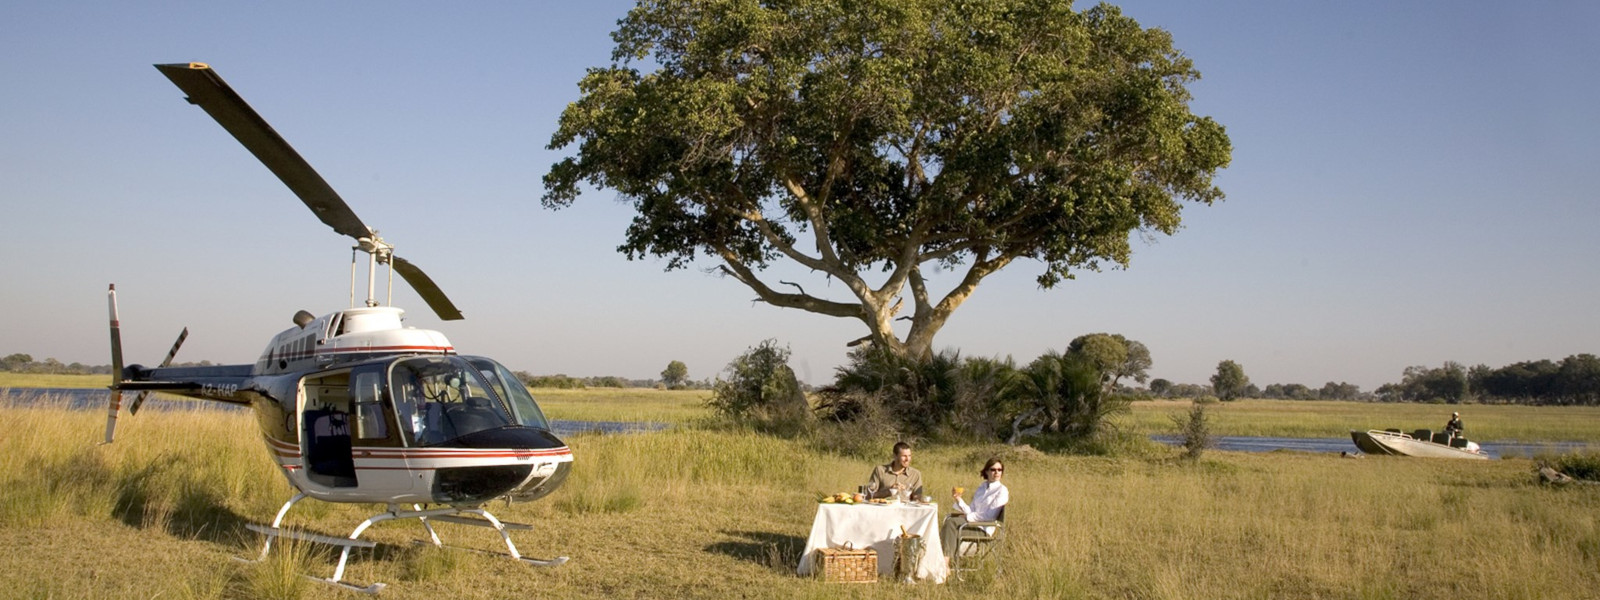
x=118 y=374
x=115 y=404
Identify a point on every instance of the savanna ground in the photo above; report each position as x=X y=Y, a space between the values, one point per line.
x=698 y=511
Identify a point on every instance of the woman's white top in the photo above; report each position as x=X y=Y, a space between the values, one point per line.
x=986 y=502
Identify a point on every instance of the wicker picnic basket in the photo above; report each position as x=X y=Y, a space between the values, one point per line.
x=847 y=564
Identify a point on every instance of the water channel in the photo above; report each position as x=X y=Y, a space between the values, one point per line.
x=95 y=399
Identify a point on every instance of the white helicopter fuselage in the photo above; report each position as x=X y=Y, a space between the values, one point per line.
x=355 y=407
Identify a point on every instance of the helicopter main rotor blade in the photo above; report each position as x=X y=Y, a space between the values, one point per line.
x=208 y=91
x=425 y=287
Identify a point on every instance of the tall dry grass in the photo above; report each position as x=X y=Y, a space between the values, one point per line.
x=703 y=513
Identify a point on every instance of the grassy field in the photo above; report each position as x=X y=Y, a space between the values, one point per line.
x=630 y=404
x=40 y=380
x=1319 y=419
x=695 y=512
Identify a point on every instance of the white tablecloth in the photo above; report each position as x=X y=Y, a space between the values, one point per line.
x=875 y=526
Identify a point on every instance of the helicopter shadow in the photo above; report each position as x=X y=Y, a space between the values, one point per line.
x=773 y=550
x=196 y=513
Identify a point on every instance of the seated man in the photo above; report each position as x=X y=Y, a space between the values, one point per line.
x=1453 y=428
x=896 y=476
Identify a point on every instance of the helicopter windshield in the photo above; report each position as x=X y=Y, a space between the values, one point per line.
x=440 y=398
x=523 y=407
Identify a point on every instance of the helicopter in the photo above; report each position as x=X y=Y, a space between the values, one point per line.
x=354 y=406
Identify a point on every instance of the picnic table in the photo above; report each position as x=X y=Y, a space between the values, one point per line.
x=868 y=525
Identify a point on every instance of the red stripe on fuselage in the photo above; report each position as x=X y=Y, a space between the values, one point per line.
x=289 y=450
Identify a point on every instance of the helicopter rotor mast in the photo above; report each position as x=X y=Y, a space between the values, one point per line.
x=208 y=91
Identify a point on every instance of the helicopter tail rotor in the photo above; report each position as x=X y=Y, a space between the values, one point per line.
x=133 y=409
x=115 y=404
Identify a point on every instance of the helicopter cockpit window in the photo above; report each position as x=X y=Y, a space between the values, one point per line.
x=441 y=398
x=523 y=406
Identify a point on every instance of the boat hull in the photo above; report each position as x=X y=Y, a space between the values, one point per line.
x=1398 y=444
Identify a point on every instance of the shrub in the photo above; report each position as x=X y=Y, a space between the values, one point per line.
x=1062 y=394
x=1194 y=430
x=1578 y=465
x=944 y=396
x=762 y=391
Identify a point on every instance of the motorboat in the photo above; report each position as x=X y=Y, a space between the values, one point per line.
x=1422 y=442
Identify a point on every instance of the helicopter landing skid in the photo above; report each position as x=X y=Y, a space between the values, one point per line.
x=488 y=520
x=446 y=515
x=273 y=532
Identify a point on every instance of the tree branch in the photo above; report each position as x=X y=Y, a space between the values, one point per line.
x=739 y=271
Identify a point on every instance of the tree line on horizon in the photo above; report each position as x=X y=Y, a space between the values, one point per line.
x=1571 y=381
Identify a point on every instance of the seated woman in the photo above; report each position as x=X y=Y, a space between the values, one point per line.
x=987 y=501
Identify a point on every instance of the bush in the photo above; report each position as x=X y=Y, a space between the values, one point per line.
x=1062 y=394
x=761 y=391
x=976 y=400
x=1578 y=465
x=944 y=397
x=1194 y=430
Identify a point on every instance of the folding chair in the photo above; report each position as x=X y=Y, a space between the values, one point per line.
x=976 y=545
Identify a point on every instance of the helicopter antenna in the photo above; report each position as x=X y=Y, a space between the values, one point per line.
x=353 y=251
x=390 y=295
x=208 y=91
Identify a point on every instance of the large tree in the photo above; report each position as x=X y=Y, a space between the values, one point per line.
x=1230 y=380
x=874 y=142
x=1116 y=357
x=675 y=375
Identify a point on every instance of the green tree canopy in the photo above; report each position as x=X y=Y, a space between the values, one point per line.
x=761 y=390
x=1160 y=387
x=675 y=375
x=875 y=141
x=1116 y=356
x=1229 y=381
x=16 y=361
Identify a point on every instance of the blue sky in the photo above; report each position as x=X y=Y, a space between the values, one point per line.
x=1411 y=183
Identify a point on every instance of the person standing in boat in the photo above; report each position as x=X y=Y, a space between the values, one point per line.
x=1453 y=428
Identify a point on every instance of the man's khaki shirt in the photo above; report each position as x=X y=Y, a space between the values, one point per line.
x=883 y=476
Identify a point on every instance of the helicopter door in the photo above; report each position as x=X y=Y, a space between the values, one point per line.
x=326 y=423
x=373 y=416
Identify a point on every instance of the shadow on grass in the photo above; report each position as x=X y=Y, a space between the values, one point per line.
x=196 y=513
x=776 y=551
